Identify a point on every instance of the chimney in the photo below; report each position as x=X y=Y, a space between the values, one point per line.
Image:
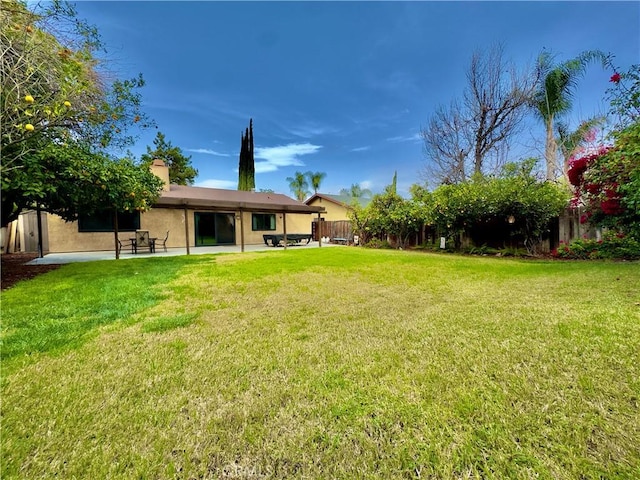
x=160 y=170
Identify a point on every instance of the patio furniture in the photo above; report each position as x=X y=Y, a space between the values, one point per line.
x=292 y=238
x=163 y=243
x=126 y=244
x=142 y=240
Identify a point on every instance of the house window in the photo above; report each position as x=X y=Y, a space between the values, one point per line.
x=103 y=222
x=263 y=221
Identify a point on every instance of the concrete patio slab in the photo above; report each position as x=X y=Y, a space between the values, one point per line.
x=73 y=257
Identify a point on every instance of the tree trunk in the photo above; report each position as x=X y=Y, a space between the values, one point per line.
x=551 y=151
x=115 y=233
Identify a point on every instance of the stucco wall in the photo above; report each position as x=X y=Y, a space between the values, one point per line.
x=65 y=237
x=296 y=223
x=333 y=212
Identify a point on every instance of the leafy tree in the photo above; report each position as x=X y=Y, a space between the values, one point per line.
x=299 y=186
x=607 y=180
x=180 y=170
x=246 y=168
x=516 y=193
x=554 y=95
x=472 y=135
x=52 y=94
x=71 y=180
x=388 y=215
x=624 y=97
x=315 y=179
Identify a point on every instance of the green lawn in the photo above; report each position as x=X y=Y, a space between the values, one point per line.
x=323 y=363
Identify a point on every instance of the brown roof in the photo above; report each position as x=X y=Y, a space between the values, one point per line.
x=216 y=198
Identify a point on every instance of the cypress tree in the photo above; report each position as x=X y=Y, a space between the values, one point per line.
x=246 y=165
x=251 y=167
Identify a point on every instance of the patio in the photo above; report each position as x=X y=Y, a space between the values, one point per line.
x=72 y=257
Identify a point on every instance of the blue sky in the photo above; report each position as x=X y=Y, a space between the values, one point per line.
x=337 y=87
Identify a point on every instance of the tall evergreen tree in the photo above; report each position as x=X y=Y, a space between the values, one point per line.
x=180 y=170
x=246 y=165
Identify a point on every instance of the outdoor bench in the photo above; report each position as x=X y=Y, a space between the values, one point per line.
x=292 y=238
x=340 y=240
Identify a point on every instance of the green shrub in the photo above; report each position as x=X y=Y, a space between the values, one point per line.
x=513 y=252
x=377 y=243
x=482 y=250
x=515 y=196
x=612 y=246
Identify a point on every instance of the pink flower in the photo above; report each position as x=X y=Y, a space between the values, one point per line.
x=615 y=78
x=577 y=167
x=590 y=136
x=611 y=207
x=592 y=188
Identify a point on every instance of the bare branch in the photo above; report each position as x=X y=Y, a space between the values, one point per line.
x=473 y=136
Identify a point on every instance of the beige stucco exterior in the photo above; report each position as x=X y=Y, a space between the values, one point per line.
x=333 y=211
x=176 y=212
x=65 y=237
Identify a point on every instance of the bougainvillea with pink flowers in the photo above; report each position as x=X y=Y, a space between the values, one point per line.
x=606 y=179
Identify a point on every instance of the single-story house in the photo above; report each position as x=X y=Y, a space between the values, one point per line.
x=334 y=222
x=193 y=216
x=336 y=206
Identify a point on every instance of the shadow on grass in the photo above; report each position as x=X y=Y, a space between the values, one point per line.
x=64 y=308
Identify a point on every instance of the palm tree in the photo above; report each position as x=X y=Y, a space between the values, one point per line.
x=315 y=179
x=356 y=192
x=555 y=94
x=299 y=186
x=570 y=142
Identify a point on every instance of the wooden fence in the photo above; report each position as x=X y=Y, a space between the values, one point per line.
x=336 y=229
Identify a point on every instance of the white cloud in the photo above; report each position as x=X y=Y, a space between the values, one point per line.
x=264 y=167
x=416 y=137
x=366 y=184
x=282 y=156
x=308 y=131
x=361 y=149
x=215 y=183
x=207 y=151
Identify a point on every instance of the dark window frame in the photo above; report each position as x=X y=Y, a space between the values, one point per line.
x=103 y=222
x=263 y=222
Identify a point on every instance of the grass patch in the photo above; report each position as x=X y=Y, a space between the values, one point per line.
x=64 y=308
x=162 y=324
x=338 y=363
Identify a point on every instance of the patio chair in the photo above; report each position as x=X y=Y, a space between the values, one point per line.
x=125 y=244
x=143 y=241
x=163 y=243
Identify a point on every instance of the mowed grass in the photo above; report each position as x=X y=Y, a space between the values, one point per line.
x=324 y=363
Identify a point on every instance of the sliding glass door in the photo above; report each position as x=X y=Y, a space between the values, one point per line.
x=215 y=229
